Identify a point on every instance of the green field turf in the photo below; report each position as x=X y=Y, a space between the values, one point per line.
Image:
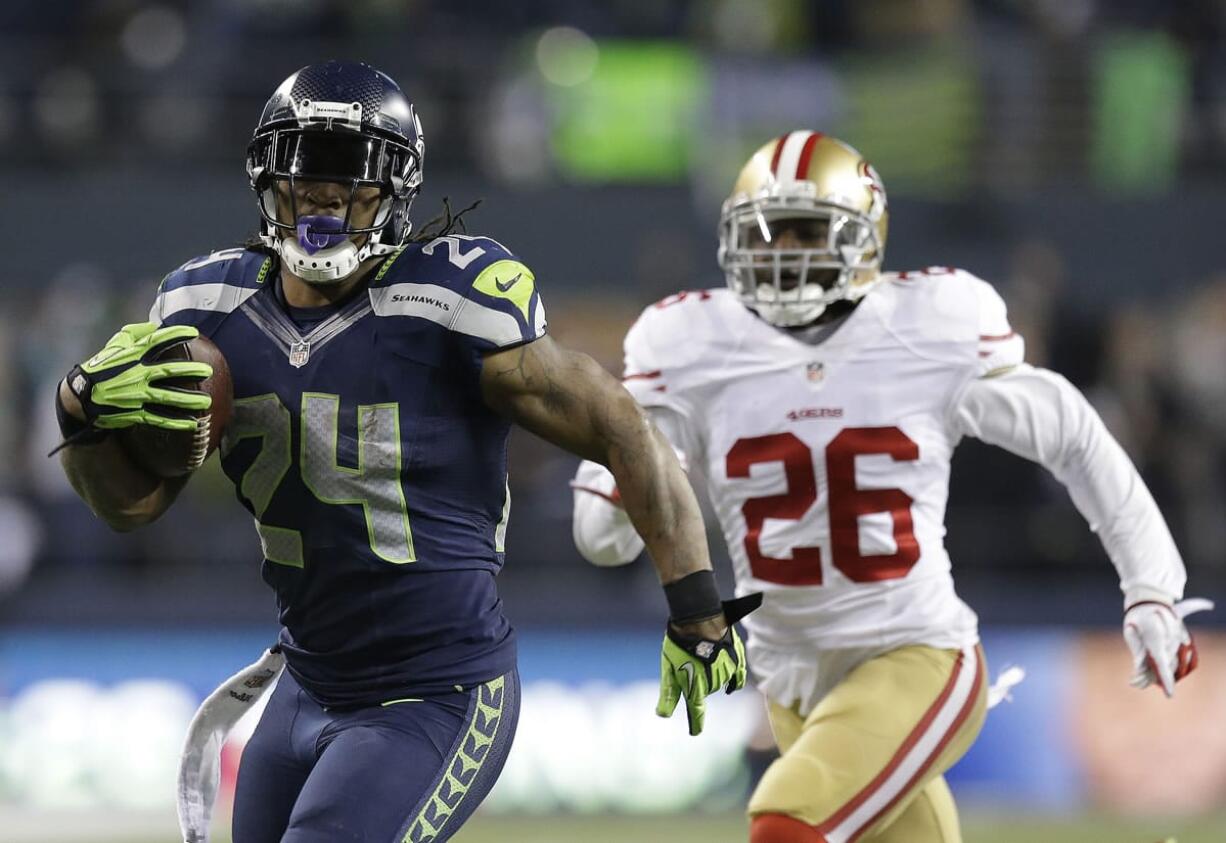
x=977 y=828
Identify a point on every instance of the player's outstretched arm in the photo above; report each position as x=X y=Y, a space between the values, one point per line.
x=115 y=389
x=1039 y=415
x=568 y=399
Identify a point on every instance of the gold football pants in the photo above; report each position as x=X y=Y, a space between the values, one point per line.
x=866 y=764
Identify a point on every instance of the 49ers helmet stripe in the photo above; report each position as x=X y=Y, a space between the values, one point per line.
x=806 y=155
x=779 y=142
x=789 y=156
x=792 y=155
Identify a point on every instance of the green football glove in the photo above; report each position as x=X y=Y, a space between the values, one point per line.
x=117 y=387
x=694 y=667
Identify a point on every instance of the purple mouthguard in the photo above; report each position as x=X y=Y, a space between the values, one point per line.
x=314 y=232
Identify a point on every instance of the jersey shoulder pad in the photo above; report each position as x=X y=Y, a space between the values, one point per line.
x=471 y=285
x=676 y=345
x=206 y=289
x=947 y=312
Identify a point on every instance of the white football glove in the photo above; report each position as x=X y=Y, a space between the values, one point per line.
x=1162 y=648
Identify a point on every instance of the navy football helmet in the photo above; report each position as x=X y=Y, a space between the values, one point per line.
x=346 y=123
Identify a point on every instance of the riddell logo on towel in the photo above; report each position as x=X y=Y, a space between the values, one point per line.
x=259 y=680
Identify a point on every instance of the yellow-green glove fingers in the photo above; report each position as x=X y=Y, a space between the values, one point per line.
x=131 y=334
x=117 y=421
x=179 y=369
x=670 y=691
x=180 y=399
x=139 y=330
x=167 y=423
x=131 y=418
x=696 y=690
x=740 y=675
x=123 y=348
x=135 y=342
x=723 y=671
x=168 y=332
x=169 y=335
x=696 y=704
x=131 y=389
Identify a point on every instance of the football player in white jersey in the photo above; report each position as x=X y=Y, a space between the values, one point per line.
x=820 y=400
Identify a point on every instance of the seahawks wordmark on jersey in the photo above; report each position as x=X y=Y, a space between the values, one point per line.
x=374 y=471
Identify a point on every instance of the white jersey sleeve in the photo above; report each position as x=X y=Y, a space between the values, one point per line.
x=601 y=528
x=1039 y=415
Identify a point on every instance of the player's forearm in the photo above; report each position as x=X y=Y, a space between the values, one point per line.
x=603 y=533
x=657 y=496
x=113 y=487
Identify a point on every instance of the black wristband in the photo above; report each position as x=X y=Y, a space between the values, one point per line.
x=694 y=597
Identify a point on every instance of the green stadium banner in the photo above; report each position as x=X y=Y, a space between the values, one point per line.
x=1141 y=90
x=633 y=118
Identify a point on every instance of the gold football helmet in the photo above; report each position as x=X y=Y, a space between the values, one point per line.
x=805 y=227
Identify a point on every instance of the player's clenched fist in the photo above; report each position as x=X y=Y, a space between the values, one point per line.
x=119 y=386
x=1162 y=648
x=694 y=667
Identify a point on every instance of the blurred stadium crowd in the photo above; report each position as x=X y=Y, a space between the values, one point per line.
x=1070 y=151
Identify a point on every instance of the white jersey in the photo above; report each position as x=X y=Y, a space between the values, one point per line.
x=827 y=464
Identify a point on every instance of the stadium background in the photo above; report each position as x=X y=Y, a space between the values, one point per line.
x=1070 y=151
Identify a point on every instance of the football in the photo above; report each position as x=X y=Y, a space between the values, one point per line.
x=174 y=453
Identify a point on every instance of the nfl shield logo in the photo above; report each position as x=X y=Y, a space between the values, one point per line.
x=299 y=353
x=815 y=372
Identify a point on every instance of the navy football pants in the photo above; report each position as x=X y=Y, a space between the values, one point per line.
x=410 y=771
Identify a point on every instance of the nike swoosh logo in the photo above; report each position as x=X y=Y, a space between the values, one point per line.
x=688 y=670
x=507 y=285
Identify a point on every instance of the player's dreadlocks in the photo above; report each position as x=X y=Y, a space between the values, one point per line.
x=444 y=223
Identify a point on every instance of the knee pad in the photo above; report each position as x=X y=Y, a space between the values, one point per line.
x=780 y=828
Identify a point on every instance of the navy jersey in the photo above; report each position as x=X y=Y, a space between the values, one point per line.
x=375 y=472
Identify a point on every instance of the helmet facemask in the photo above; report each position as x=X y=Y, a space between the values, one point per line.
x=788 y=256
x=318 y=248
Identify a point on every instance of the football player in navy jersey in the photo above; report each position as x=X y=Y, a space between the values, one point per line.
x=375 y=379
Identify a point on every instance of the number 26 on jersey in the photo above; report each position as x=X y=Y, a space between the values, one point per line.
x=846 y=503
